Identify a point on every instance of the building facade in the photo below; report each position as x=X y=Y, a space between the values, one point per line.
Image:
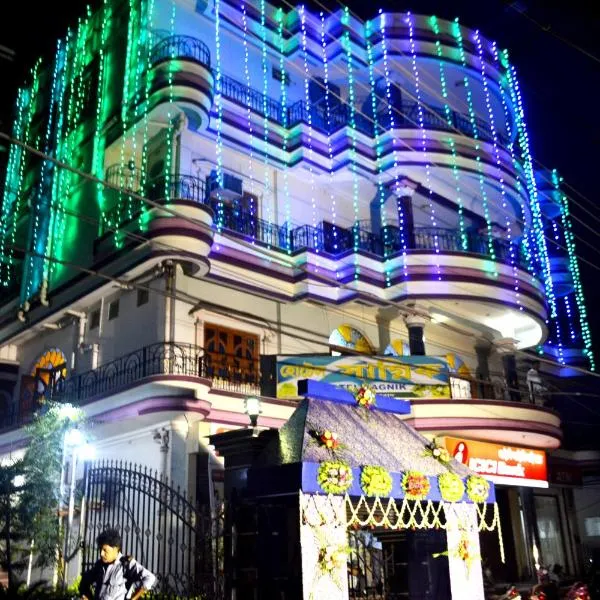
x=209 y=201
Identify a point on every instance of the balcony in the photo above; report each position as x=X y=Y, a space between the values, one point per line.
x=328 y=239
x=322 y=118
x=181 y=46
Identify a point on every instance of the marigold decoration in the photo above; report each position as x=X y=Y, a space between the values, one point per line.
x=375 y=481
x=334 y=477
x=365 y=396
x=478 y=488
x=329 y=439
x=415 y=485
x=437 y=451
x=452 y=488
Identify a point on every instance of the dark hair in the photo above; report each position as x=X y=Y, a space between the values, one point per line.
x=109 y=537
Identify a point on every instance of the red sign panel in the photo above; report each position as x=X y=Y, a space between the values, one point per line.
x=501 y=463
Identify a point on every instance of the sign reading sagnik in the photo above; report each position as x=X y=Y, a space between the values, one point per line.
x=500 y=463
x=402 y=377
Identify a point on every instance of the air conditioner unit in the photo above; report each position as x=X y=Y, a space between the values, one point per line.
x=231 y=189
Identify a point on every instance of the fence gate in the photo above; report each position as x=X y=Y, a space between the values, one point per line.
x=180 y=543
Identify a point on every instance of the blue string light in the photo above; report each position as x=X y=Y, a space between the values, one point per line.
x=423 y=130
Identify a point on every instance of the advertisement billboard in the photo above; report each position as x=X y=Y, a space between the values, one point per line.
x=401 y=377
x=501 y=463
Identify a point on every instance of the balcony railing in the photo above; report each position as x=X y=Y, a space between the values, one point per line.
x=326 y=237
x=321 y=117
x=164 y=358
x=404 y=115
x=181 y=46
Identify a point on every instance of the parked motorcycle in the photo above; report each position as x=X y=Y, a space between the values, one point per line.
x=578 y=591
x=512 y=593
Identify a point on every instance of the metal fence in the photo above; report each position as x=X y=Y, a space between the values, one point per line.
x=180 y=542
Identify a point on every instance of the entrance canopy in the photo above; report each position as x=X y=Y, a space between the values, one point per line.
x=341 y=447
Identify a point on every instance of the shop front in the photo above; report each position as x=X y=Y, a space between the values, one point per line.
x=537 y=514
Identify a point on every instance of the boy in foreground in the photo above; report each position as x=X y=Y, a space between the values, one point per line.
x=114 y=576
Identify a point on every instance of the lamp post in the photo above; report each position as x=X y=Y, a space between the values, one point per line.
x=252 y=406
x=74 y=441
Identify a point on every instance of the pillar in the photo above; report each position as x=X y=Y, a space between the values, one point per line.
x=323 y=541
x=404 y=191
x=416 y=328
x=466 y=577
x=383 y=318
x=507 y=349
x=483 y=349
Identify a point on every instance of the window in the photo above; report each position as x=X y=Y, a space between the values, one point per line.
x=592 y=526
x=280 y=75
x=461 y=388
x=230 y=354
x=95 y=319
x=142 y=297
x=113 y=310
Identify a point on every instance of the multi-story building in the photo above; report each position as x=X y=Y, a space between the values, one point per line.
x=208 y=199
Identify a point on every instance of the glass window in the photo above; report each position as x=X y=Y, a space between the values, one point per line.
x=548 y=521
x=461 y=388
x=592 y=526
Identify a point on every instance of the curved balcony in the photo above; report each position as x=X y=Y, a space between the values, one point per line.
x=326 y=238
x=162 y=361
x=190 y=84
x=405 y=115
x=181 y=46
x=500 y=421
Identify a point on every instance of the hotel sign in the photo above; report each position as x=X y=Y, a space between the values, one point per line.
x=500 y=463
x=402 y=377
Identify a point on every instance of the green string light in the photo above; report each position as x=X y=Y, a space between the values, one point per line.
x=538 y=226
x=574 y=269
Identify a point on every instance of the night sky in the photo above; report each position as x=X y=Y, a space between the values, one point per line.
x=560 y=85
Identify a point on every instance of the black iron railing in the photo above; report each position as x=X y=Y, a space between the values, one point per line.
x=181 y=46
x=229 y=214
x=249 y=97
x=163 y=358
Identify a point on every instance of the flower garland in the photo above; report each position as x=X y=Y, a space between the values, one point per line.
x=478 y=488
x=437 y=451
x=462 y=551
x=415 y=485
x=326 y=438
x=375 y=481
x=332 y=558
x=365 y=396
x=334 y=477
x=452 y=488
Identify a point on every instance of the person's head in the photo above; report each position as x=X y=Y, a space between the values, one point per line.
x=535 y=365
x=109 y=544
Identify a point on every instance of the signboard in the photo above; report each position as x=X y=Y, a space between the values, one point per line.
x=499 y=463
x=402 y=377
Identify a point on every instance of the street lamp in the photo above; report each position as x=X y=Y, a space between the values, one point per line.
x=74 y=440
x=253 y=409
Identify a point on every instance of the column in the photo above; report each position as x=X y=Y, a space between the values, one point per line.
x=383 y=318
x=507 y=348
x=416 y=327
x=404 y=191
x=483 y=349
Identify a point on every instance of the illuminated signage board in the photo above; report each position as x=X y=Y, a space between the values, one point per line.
x=403 y=377
x=500 y=463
